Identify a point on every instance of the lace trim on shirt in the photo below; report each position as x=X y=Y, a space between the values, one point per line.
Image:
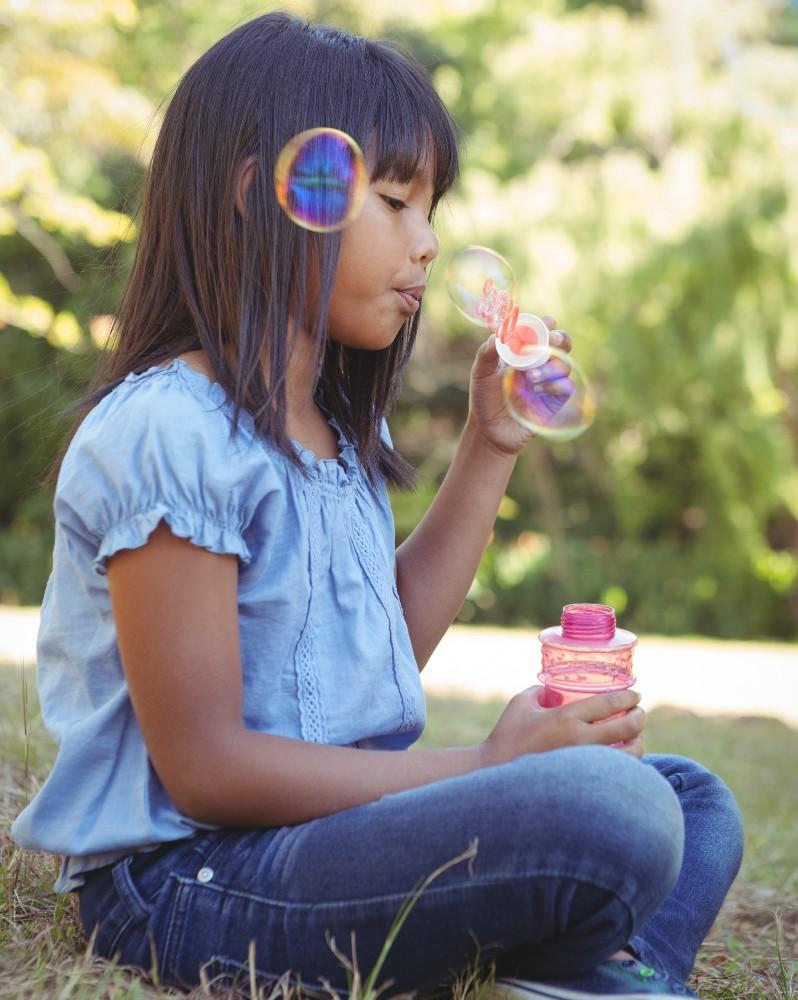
x=312 y=719
x=374 y=573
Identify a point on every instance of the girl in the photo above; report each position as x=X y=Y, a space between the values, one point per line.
x=230 y=646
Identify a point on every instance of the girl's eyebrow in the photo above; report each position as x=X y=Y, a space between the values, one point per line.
x=416 y=181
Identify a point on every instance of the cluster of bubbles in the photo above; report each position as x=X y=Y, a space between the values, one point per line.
x=321 y=182
x=544 y=387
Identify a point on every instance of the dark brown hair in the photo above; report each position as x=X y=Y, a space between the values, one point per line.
x=204 y=278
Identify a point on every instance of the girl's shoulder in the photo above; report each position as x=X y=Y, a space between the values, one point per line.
x=162 y=397
x=169 y=412
x=161 y=445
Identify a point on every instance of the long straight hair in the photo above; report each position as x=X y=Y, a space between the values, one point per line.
x=205 y=278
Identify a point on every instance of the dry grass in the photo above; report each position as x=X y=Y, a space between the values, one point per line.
x=750 y=953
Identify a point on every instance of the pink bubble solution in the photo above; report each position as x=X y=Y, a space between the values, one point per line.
x=585 y=655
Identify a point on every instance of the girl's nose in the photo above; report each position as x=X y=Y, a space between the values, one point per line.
x=426 y=246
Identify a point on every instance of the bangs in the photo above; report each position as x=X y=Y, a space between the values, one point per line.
x=413 y=131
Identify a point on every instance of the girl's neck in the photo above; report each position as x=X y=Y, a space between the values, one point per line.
x=299 y=402
x=304 y=421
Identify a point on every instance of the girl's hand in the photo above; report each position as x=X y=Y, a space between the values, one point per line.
x=526 y=727
x=487 y=410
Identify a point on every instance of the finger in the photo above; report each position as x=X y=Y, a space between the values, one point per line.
x=634 y=747
x=562 y=386
x=622 y=729
x=532 y=695
x=601 y=706
x=489 y=346
x=554 y=368
x=560 y=339
x=550 y=321
x=487 y=357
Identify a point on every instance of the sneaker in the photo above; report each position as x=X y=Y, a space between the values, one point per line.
x=628 y=979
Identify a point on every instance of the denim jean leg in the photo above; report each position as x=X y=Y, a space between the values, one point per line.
x=568 y=866
x=646 y=829
x=564 y=872
x=713 y=850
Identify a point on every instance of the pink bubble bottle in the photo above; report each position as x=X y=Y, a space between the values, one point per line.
x=585 y=655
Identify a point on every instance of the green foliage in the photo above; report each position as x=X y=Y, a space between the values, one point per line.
x=619 y=176
x=36 y=383
x=609 y=155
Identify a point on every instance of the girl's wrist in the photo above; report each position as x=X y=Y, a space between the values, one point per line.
x=475 y=439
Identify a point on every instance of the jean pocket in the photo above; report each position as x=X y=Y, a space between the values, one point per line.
x=138 y=908
x=126 y=931
x=111 y=907
x=125 y=908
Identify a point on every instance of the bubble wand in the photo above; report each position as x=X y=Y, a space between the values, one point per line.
x=543 y=386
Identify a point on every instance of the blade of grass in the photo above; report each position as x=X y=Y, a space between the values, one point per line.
x=404 y=912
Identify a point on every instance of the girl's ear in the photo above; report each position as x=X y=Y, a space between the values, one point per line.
x=244 y=177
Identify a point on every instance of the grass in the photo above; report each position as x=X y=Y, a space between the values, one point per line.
x=750 y=954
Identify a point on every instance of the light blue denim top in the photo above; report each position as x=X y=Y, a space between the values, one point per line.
x=325 y=651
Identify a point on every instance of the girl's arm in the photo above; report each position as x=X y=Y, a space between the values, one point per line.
x=436 y=564
x=176 y=612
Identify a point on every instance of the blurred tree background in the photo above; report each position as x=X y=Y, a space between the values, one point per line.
x=631 y=159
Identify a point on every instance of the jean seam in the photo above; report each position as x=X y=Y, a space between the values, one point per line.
x=227 y=960
x=173 y=938
x=476 y=883
x=118 y=936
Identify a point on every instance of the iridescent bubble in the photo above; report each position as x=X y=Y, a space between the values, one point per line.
x=552 y=399
x=321 y=180
x=466 y=275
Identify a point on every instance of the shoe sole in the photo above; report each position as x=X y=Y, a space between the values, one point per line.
x=515 y=989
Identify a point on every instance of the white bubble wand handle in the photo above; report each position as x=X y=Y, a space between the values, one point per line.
x=522 y=339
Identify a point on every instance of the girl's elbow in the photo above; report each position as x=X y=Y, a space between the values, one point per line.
x=202 y=786
x=203 y=801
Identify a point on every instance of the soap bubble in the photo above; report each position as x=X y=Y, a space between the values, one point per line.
x=466 y=274
x=321 y=180
x=552 y=399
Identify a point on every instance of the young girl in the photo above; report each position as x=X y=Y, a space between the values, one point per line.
x=230 y=644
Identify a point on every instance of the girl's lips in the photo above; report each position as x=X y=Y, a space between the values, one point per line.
x=409 y=303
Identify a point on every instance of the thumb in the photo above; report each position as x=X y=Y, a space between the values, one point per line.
x=532 y=695
x=487 y=360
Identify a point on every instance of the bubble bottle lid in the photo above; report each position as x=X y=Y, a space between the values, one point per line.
x=585 y=626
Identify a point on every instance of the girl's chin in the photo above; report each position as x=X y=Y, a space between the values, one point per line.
x=375 y=342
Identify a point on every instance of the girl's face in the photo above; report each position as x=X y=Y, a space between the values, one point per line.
x=388 y=247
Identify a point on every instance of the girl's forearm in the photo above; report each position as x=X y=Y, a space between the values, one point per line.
x=257 y=779
x=435 y=565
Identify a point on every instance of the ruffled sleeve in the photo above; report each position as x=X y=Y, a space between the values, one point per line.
x=154 y=450
x=195 y=525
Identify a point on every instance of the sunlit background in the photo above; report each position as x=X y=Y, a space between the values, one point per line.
x=636 y=164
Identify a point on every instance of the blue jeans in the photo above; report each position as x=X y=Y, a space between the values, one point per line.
x=581 y=851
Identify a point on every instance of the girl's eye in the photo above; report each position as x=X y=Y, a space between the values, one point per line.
x=393 y=203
